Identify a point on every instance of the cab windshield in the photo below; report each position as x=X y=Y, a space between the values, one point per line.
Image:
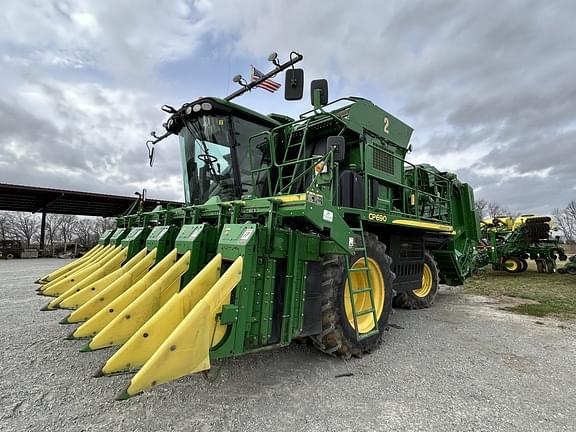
x=215 y=154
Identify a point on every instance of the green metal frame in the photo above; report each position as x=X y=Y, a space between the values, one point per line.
x=299 y=225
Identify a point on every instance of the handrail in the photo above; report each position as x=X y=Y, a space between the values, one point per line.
x=442 y=203
x=319 y=159
x=321 y=109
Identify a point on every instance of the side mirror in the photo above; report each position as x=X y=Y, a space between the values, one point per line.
x=319 y=92
x=338 y=143
x=294 y=84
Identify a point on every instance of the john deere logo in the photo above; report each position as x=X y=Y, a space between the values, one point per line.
x=377 y=217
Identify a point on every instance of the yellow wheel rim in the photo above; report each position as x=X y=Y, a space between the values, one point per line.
x=426 y=282
x=511 y=264
x=362 y=300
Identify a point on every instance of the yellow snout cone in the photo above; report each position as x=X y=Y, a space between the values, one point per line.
x=82 y=264
x=108 y=293
x=97 y=273
x=59 y=286
x=186 y=349
x=134 y=315
x=79 y=297
x=146 y=340
x=51 y=276
x=104 y=316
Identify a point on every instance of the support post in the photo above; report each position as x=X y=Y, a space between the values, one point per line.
x=43 y=229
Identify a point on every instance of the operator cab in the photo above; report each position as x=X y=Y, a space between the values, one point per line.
x=213 y=137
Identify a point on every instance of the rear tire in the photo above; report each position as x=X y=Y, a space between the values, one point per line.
x=423 y=297
x=338 y=336
x=512 y=265
x=9 y=256
x=524 y=265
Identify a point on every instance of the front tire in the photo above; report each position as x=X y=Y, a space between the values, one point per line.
x=338 y=335
x=512 y=265
x=424 y=296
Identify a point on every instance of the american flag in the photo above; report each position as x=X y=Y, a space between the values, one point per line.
x=268 y=84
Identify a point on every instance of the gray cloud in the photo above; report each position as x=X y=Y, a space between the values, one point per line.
x=488 y=86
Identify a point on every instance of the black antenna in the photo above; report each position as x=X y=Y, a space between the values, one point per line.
x=294 y=58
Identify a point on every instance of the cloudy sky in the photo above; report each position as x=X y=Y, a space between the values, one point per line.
x=488 y=86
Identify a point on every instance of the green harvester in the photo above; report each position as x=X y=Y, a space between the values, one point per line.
x=313 y=227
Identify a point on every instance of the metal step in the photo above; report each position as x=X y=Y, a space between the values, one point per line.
x=368 y=289
x=358 y=269
x=367 y=335
x=361 y=290
x=365 y=312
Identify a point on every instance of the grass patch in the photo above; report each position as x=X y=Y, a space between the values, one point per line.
x=555 y=293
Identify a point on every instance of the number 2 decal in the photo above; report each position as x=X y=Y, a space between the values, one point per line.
x=386 y=124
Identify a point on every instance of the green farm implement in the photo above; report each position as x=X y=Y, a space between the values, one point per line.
x=570 y=267
x=507 y=244
x=311 y=227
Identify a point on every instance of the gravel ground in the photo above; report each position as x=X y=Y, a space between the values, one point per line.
x=462 y=365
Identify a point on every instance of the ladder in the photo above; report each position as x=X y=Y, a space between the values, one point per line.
x=354 y=291
x=285 y=181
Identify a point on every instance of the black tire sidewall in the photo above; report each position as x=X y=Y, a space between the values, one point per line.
x=524 y=265
x=518 y=262
x=377 y=252
x=409 y=300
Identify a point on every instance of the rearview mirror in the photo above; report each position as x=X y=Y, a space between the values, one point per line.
x=338 y=143
x=294 y=84
x=320 y=87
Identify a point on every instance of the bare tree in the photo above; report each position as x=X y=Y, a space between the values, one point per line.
x=25 y=226
x=571 y=210
x=480 y=206
x=494 y=209
x=53 y=223
x=85 y=232
x=566 y=220
x=6 y=225
x=102 y=224
x=67 y=226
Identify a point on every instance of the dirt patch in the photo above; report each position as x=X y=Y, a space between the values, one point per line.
x=528 y=293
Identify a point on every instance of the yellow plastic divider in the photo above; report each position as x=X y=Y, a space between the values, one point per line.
x=187 y=348
x=79 y=297
x=111 y=292
x=126 y=323
x=81 y=274
x=62 y=275
x=53 y=275
x=146 y=340
x=106 y=269
x=100 y=254
x=103 y=317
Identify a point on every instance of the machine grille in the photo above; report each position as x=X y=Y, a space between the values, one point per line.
x=383 y=161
